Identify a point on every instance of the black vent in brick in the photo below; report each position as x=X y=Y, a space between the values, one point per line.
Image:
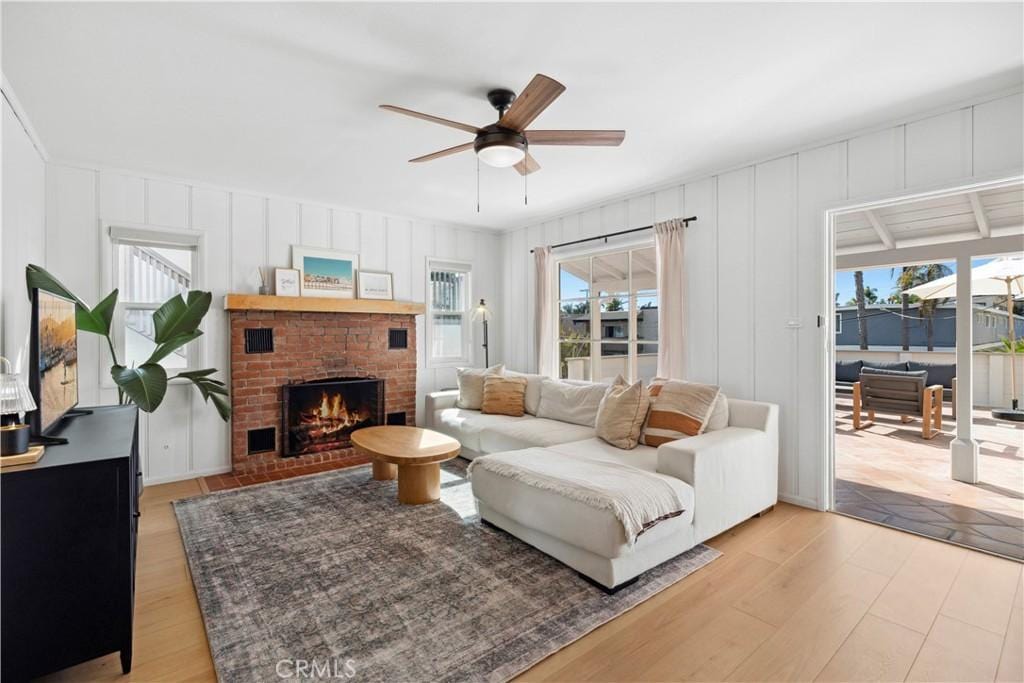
x=398 y=339
x=396 y=418
x=262 y=440
x=259 y=339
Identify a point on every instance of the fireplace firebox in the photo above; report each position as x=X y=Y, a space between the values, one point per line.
x=320 y=415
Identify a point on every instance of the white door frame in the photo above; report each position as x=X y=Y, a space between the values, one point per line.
x=878 y=259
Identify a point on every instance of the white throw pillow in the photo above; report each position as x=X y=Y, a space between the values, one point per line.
x=533 y=383
x=573 y=403
x=471 y=385
x=719 y=414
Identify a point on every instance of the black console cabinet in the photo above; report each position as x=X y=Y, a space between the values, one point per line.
x=67 y=562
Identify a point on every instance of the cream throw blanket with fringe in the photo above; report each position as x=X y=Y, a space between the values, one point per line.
x=638 y=498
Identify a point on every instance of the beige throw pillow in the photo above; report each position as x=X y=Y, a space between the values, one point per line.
x=678 y=410
x=533 y=382
x=719 y=414
x=621 y=415
x=575 y=403
x=471 y=385
x=504 y=395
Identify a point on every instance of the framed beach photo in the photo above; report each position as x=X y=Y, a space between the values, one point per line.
x=374 y=285
x=286 y=282
x=325 y=272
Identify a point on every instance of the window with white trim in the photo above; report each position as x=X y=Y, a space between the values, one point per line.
x=449 y=329
x=150 y=268
x=608 y=315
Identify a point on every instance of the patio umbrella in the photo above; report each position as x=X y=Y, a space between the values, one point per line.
x=1001 y=277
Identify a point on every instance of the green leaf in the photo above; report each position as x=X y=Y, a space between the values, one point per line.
x=222 y=405
x=38 y=277
x=179 y=316
x=211 y=389
x=99 y=318
x=96 y=320
x=145 y=385
x=169 y=346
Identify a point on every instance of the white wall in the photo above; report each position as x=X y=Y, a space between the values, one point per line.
x=756 y=257
x=185 y=438
x=22 y=234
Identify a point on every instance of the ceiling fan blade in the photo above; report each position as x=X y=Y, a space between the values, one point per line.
x=433 y=119
x=527 y=165
x=591 y=138
x=443 y=153
x=534 y=99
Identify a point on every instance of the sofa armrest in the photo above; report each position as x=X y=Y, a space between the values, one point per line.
x=734 y=473
x=438 y=400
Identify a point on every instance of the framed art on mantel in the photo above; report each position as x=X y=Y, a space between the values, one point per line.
x=326 y=272
x=286 y=282
x=373 y=285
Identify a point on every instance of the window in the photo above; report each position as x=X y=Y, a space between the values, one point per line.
x=839 y=323
x=448 y=320
x=608 y=316
x=149 y=269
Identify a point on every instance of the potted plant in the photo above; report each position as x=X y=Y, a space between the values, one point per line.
x=176 y=323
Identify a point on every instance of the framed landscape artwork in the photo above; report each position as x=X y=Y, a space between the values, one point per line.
x=373 y=285
x=326 y=272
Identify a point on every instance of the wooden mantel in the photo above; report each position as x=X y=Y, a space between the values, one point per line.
x=309 y=304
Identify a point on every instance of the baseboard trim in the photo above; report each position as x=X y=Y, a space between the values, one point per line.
x=185 y=476
x=799 y=500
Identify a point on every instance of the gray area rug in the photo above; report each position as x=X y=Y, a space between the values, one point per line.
x=328 y=576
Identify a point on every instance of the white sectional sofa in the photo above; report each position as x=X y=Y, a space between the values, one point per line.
x=729 y=475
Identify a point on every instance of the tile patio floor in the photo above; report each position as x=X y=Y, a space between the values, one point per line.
x=888 y=474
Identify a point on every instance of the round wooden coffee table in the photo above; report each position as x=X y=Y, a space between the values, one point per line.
x=412 y=454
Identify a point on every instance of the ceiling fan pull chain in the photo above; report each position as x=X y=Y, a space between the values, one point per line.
x=478 y=184
x=526 y=186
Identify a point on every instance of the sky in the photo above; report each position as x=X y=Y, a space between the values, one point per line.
x=882 y=279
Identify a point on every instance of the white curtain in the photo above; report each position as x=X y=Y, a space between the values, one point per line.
x=544 y=302
x=668 y=238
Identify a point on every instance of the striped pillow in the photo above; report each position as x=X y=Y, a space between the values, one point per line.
x=504 y=395
x=678 y=410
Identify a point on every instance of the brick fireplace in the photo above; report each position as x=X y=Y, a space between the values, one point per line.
x=302 y=350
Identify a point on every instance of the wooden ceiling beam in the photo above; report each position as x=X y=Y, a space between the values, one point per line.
x=979 y=214
x=883 y=232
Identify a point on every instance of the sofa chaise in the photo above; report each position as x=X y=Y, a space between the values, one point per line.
x=725 y=477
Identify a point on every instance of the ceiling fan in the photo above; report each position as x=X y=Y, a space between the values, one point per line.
x=506 y=142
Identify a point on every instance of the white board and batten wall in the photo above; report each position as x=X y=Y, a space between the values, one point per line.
x=241 y=231
x=755 y=258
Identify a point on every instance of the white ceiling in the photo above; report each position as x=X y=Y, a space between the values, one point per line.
x=281 y=97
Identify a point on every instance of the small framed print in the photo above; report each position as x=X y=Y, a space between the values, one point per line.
x=286 y=282
x=374 y=285
x=325 y=272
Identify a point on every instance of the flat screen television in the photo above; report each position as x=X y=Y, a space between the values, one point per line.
x=54 y=357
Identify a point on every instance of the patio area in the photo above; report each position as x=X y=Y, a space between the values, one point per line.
x=887 y=473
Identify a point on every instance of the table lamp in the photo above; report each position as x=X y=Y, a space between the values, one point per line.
x=483 y=314
x=15 y=398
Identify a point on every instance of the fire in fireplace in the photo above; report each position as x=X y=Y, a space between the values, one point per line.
x=320 y=415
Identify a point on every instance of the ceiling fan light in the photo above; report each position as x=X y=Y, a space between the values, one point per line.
x=501 y=156
x=499 y=147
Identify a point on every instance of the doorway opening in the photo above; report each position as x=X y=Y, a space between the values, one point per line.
x=918 y=371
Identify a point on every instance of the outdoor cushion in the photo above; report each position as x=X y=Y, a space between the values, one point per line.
x=848 y=370
x=867 y=370
x=886 y=365
x=938 y=373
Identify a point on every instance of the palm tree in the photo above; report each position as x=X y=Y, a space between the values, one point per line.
x=862 y=311
x=912 y=276
x=904 y=302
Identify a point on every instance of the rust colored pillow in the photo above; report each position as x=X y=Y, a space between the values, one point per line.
x=504 y=395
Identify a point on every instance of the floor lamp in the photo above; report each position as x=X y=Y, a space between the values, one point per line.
x=482 y=314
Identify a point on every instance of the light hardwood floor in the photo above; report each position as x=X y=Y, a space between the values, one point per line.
x=797 y=595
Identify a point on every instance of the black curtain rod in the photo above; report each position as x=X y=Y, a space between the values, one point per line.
x=686 y=224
